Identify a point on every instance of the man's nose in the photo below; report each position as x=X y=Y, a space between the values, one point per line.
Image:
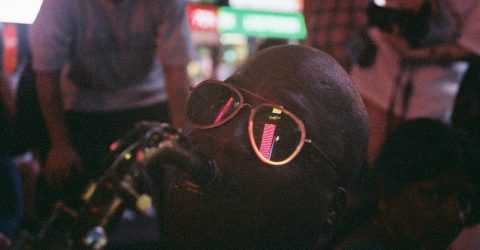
x=231 y=136
x=240 y=123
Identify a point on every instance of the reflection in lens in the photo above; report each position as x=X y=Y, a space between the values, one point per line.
x=276 y=134
x=211 y=104
x=224 y=111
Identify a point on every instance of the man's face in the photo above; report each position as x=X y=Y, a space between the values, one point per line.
x=257 y=205
x=430 y=213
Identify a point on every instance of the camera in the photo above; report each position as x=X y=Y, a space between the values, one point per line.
x=412 y=26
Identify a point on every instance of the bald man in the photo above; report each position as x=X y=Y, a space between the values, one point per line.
x=286 y=134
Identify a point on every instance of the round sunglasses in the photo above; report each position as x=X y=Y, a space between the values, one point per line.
x=276 y=134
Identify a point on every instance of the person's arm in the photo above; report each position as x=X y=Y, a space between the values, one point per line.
x=445 y=53
x=61 y=158
x=177 y=83
x=175 y=50
x=435 y=54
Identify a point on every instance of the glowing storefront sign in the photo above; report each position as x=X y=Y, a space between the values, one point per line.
x=226 y=20
x=269 y=5
x=202 y=18
x=262 y=23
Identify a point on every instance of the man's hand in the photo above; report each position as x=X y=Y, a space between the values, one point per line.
x=61 y=162
x=398 y=43
x=61 y=158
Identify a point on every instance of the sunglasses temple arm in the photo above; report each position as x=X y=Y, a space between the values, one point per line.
x=321 y=153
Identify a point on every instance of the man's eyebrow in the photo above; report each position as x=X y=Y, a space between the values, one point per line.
x=255 y=95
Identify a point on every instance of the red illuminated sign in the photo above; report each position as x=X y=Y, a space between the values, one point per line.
x=202 y=18
x=10 y=43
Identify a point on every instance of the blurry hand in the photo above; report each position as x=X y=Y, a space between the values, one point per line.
x=408 y=55
x=61 y=160
x=397 y=42
x=4 y=242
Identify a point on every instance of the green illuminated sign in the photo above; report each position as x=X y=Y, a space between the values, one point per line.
x=261 y=23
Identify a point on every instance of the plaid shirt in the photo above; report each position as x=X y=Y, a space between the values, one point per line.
x=331 y=25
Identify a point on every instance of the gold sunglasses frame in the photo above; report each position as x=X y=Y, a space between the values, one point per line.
x=253 y=110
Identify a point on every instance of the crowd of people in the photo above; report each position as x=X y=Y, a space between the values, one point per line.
x=411 y=60
x=367 y=136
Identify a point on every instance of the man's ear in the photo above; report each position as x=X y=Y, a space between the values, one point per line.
x=334 y=213
x=337 y=206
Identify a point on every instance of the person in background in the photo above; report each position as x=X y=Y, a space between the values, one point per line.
x=466 y=116
x=7 y=95
x=421 y=190
x=418 y=57
x=25 y=131
x=11 y=200
x=101 y=66
x=333 y=24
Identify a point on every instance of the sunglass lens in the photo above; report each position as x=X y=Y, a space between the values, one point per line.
x=211 y=104
x=276 y=134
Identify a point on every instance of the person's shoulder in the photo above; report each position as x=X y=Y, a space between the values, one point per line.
x=59 y=6
x=368 y=236
x=55 y=13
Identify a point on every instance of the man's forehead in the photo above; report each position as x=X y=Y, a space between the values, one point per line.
x=276 y=92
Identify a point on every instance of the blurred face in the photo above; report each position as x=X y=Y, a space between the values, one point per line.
x=267 y=198
x=429 y=214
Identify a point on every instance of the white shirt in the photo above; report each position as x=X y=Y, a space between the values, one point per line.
x=434 y=86
x=111 y=55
